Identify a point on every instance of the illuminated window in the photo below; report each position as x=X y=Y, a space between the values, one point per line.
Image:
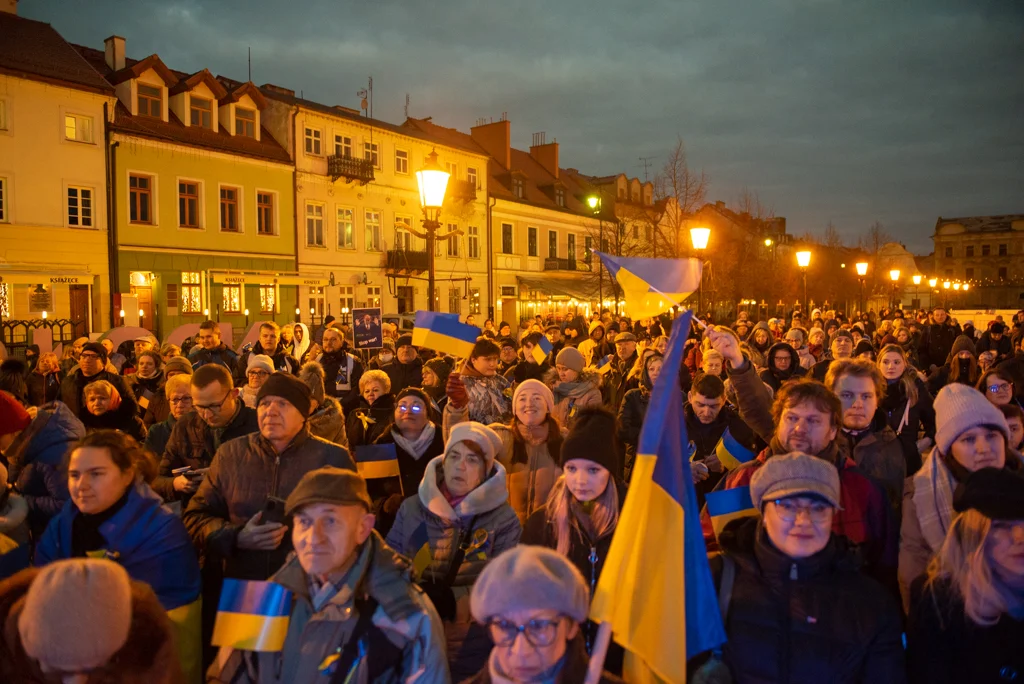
x=346 y=228
x=232 y=299
x=474 y=300
x=372 y=219
x=78 y=128
x=373 y=296
x=268 y=299
x=191 y=292
x=5 y=301
x=347 y=297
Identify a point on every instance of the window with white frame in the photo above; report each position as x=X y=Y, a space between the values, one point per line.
x=150 y=101
x=371 y=153
x=403 y=233
x=229 y=198
x=200 y=112
x=474 y=300
x=347 y=297
x=531 y=241
x=373 y=296
x=453 y=169
x=560 y=196
x=552 y=244
x=455 y=300
x=401 y=161
x=3 y=200
x=506 y=239
x=3 y=115
x=77 y=127
x=188 y=204
x=343 y=146
x=140 y=198
x=317 y=301
x=268 y=299
x=265 y=213
x=79 y=206
x=232 y=300
x=245 y=124
x=312 y=141
x=346 y=228
x=372 y=225
x=314 y=224
x=473 y=242
x=517 y=187
x=471 y=176
x=453 y=241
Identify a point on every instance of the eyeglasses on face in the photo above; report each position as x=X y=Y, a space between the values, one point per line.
x=788 y=510
x=180 y=400
x=258 y=374
x=538 y=632
x=212 y=408
x=414 y=409
x=999 y=387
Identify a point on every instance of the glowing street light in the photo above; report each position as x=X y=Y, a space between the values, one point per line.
x=894 y=274
x=767 y=242
x=956 y=286
x=946 y=285
x=917 y=280
x=932 y=282
x=862 y=270
x=432 y=180
x=803 y=260
x=699 y=237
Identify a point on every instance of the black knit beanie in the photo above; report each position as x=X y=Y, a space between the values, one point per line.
x=289 y=388
x=594 y=437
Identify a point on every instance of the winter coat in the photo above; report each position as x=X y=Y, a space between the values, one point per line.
x=574 y=669
x=631 y=419
x=158 y=436
x=936 y=343
x=145 y=389
x=36 y=457
x=15 y=545
x=222 y=356
x=42 y=389
x=944 y=646
x=341 y=377
x=527 y=370
x=808 y=620
x=570 y=397
x=282 y=362
x=617 y=382
x=705 y=438
x=149 y=656
x=366 y=423
x=158 y=410
x=879 y=455
x=908 y=421
x=410 y=468
x=1002 y=348
x=328 y=422
x=403 y=616
x=772 y=376
x=428 y=518
x=124 y=419
x=244 y=472
x=193 y=443
x=144 y=537
x=490 y=397
x=73 y=386
x=404 y=374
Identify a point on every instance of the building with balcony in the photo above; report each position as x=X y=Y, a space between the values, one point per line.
x=53 y=201
x=204 y=218
x=357 y=204
x=988 y=253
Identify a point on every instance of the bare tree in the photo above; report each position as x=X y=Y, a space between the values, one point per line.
x=872 y=242
x=833 y=240
x=679 y=191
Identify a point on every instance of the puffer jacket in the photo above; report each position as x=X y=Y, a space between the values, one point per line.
x=809 y=620
x=570 y=397
x=404 y=616
x=244 y=472
x=222 y=356
x=368 y=422
x=15 y=546
x=772 y=376
x=908 y=421
x=193 y=443
x=429 y=519
x=35 y=459
x=328 y=422
x=73 y=386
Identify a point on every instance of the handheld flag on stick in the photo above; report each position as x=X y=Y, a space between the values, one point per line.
x=653 y=286
x=374 y=461
x=252 y=616
x=728 y=504
x=541 y=350
x=604 y=365
x=731 y=453
x=444 y=333
x=656 y=590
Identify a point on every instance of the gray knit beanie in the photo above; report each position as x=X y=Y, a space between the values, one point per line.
x=795 y=474
x=958 y=408
x=570 y=358
x=529 y=578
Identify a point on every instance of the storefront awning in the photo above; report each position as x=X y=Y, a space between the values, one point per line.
x=556 y=287
x=38 y=278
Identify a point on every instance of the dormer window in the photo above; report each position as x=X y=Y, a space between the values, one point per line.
x=201 y=112
x=517 y=187
x=150 y=101
x=560 y=196
x=245 y=122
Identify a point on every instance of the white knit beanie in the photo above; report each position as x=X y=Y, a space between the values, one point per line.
x=545 y=392
x=958 y=408
x=479 y=434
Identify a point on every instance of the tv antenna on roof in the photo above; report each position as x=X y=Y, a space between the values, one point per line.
x=646 y=164
x=407 y=105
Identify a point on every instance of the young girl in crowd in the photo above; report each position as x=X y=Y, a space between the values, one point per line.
x=961 y=367
x=44 y=381
x=148 y=379
x=484 y=389
x=634 y=409
x=907 y=404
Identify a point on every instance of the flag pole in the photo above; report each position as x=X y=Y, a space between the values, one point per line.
x=604 y=638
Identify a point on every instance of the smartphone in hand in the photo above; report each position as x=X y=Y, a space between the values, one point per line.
x=273 y=511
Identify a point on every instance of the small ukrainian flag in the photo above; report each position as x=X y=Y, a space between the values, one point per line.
x=541 y=350
x=604 y=365
x=374 y=461
x=252 y=616
x=421 y=553
x=728 y=505
x=731 y=453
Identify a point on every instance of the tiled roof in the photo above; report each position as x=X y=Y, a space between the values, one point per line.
x=35 y=50
x=982 y=224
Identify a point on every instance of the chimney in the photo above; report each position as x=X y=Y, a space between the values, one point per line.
x=113 y=52
x=496 y=139
x=9 y=6
x=545 y=154
x=278 y=89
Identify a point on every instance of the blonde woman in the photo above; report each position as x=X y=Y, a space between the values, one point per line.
x=967 y=625
x=372 y=417
x=106 y=410
x=907 y=404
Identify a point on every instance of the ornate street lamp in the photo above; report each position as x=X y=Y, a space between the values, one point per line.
x=894 y=274
x=803 y=260
x=862 y=270
x=432 y=180
x=699 y=239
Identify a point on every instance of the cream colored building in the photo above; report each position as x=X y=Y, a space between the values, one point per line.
x=357 y=203
x=53 y=188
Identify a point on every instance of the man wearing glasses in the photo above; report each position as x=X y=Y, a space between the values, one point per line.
x=218 y=415
x=92 y=362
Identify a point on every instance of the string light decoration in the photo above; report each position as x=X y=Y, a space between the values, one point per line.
x=5 y=301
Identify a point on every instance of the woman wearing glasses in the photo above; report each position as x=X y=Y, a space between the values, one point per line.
x=258 y=369
x=532 y=601
x=997 y=386
x=795 y=605
x=178 y=392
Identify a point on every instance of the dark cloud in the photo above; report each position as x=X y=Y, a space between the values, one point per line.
x=848 y=112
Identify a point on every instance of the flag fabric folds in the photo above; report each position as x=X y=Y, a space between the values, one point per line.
x=604 y=365
x=726 y=505
x=252 y=616
x=421 y=559
x=731 y=453
x=374 y=461
x=653 y=286
x=541 y=350
x=656 y=589
x=444 y=333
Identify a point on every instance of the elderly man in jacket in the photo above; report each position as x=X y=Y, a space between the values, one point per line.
x=236 y=515
x=356 y=615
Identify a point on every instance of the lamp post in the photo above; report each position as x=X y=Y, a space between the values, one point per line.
x=594 y=202
x=246 y=318
x=432 y=180
x=803 y=260
x=862 y=270
x=121 y=313
x=894 y=274
x=344 y=315
x=917 y=289
x=142 y=315
x=298 y=314
x=699 y=238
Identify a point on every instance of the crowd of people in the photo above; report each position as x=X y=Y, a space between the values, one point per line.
x=884 y=469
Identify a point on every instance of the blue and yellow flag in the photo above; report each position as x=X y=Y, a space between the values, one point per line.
x=656 y=589
x=252 y=616
x=444 y=333
x=731 y=453
x=374 y=461
x=653 y=286
x=541 y=350
x=604 y=365
x=726 y=505
x=421 y=554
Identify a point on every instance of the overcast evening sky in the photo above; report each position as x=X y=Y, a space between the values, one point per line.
x=831 y=110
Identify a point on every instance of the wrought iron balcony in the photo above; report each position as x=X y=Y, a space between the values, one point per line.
x=566 y=265
x=406 y=260
x=351 y=168
x=464 y=191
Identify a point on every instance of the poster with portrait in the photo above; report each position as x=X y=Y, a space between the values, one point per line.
x=366 y=328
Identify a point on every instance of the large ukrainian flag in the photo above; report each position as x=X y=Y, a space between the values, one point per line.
x=443 y=333
x=653 y=286
x=656 y=589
